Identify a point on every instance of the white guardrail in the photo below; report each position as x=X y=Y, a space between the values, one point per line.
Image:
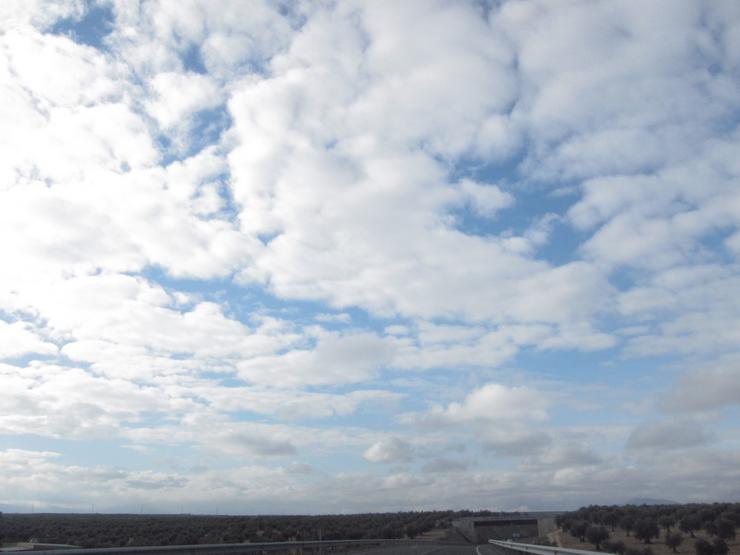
x=544 y=549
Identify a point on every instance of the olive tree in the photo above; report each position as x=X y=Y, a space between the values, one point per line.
x=725 y=528
x=689 y=524
x=578 y=529
x=627 y=523
x=646 y=529
x=596 y=535
x=673 y=540
x=719 y=546
x=703 y=547
x=667 y=522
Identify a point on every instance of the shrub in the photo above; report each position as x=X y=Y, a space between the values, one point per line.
x=703 y=547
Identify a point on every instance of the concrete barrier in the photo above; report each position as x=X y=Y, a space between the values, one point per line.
x=543 y=549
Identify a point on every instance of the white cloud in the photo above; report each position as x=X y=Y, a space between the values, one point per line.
x=293 y=405
x=55 y=481
x=706 y=387
x=396 y=330
x=88 y=226
x=689 y=309
x=669 y=435
x=411 y=79
x=391 y=450
x=340 y=318
x=69 y=102
x=123 y=310
x=370 y=191
x=493 y=403
x=445 y=465
x=19 y=338
x=178 y=95
x=40 y=13
x=515 y=441
x=336 y=359
x=227 y=38
x=49 y=400
x=453 y=346
x=35 y=61
x=570 y=455
x=250 y=486
x=486 y=199
x=618 y=74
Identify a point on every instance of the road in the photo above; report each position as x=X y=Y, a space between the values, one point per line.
x=432 y=549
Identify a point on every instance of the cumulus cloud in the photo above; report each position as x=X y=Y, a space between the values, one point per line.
x=39 y=13
x=19 y=338
x=227 y=39
x=336 y=359
x=493 y=403
x=287 y=404
x=391 y=450
x=63 y=402
x=177 y=95
x=486 y=199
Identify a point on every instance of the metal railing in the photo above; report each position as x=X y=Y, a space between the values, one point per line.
x=223 y=549
x=543 y=549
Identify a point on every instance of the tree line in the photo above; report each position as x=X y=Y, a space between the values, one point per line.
x=109 y=530
x=679 y=523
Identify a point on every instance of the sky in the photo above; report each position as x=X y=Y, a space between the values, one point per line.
x=324 y=257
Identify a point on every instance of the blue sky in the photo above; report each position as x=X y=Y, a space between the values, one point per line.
x=359 y=256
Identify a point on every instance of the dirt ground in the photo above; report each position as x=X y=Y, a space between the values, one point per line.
x=556 y=537
x=657 y=545
x=434 y=534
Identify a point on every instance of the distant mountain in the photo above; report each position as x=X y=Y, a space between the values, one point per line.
x=650 y=501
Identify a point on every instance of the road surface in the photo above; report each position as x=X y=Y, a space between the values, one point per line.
x=431 y=549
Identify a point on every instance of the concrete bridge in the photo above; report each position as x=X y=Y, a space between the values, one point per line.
x=524 y=526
